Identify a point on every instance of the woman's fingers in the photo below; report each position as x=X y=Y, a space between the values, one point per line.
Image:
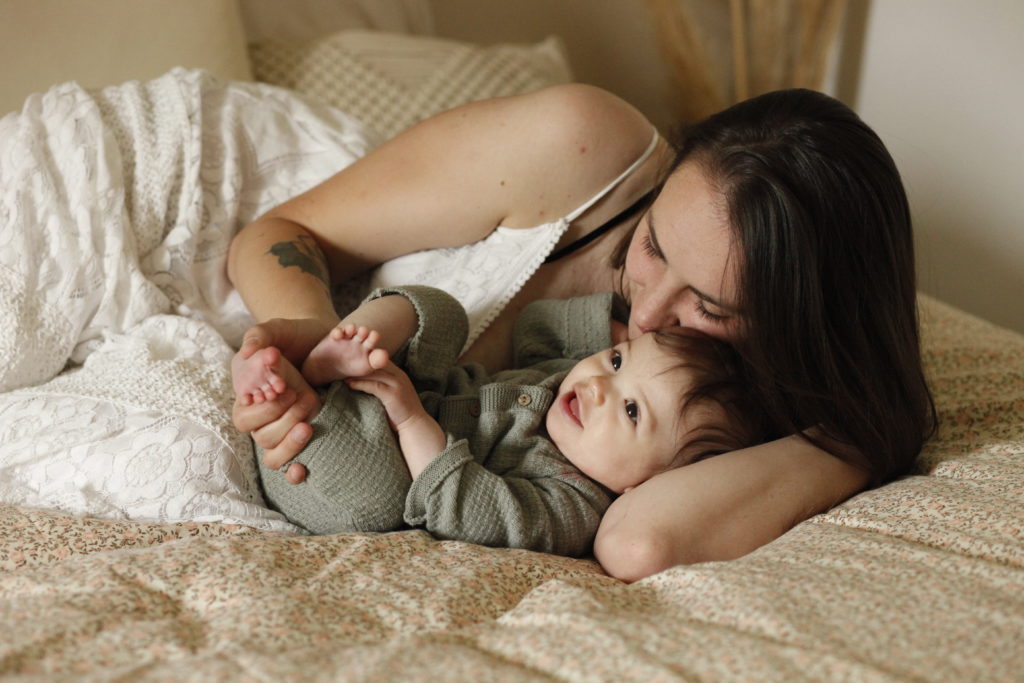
x=273 y=432
x=248 y=417
x=296 y=473
x=279 y=427
x=292 y=443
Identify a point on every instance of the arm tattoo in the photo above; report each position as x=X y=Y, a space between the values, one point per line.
x=303 y=253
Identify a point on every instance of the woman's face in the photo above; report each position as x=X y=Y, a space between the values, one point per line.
x=681 y=267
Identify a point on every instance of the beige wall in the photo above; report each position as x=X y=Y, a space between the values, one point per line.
x=942 y=81
x=45 y=42
x=610 y=43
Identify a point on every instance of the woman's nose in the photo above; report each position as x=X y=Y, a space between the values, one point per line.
x=656 y=310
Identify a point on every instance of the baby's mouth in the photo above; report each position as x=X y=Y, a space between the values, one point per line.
x=571 y=406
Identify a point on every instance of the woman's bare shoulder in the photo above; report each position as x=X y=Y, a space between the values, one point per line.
x=570 y=141
x=584 y=110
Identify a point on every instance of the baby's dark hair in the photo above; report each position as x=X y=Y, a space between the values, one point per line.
x=720 y=379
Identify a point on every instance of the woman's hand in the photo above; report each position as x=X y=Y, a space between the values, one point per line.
x=280 y=426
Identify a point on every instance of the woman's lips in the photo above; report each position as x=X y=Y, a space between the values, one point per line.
x=571 y=407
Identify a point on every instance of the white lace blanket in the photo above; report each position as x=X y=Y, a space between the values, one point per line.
x=116 y=318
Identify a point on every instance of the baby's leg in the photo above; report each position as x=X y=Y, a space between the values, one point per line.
x=348 y=351
x=264 y=376
x=357 y=479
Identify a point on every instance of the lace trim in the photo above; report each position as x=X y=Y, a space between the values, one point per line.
x=539 y=255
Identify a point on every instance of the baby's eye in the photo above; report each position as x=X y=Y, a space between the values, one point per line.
x=632 y=410
x=616 y=360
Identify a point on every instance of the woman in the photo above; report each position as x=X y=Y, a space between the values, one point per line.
x=781 y=226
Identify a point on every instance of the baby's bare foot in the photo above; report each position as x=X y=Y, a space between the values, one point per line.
x=259 y=377
x=348 y=351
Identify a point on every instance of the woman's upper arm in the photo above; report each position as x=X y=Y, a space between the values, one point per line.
x=453 y=178
x=721 y=508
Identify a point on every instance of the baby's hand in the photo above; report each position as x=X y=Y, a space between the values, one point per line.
x=420 y=437
x=347 y=351
x=393 y=388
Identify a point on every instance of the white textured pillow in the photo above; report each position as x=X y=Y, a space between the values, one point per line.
x=391 y=81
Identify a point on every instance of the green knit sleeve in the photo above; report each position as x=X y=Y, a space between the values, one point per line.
x=554 y=510
x=563 y=328
x=442 y=328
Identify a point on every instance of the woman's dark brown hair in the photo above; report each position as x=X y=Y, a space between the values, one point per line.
x=827 y=283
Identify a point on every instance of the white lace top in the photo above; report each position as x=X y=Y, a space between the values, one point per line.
x=485 y=275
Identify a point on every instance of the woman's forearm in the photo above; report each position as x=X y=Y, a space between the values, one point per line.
x=280 y=271
x=721 y=508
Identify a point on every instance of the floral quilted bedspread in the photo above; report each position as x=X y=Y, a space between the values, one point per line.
x=922 y=579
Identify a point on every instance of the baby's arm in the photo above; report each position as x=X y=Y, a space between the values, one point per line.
x=379 y=328
x=420 y=437
x=541 y=504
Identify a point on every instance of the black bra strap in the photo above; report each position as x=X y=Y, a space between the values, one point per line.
x=583 y=241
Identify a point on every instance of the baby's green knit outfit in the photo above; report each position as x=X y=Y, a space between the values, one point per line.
x=500 y=481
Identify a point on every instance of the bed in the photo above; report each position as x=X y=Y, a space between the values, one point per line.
x=158 y=560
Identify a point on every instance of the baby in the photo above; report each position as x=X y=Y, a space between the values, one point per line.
x=526 y=458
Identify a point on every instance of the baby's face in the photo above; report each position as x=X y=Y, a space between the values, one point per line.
x=616 y=416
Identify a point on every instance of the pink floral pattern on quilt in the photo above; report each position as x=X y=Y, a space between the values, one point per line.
x=922 y=579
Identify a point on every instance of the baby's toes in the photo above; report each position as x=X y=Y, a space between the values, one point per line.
x=274 y=388
x=348 y=331
x=378 y=358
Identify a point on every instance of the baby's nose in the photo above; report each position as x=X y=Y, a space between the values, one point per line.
x=598 y=388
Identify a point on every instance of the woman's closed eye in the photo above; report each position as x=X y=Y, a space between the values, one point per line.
x=649 y=247
x=703 y=312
